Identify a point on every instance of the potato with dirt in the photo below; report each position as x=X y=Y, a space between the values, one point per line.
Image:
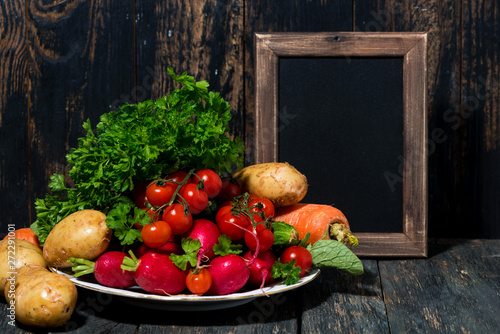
x=279 y=182
x=16 y=253
x=83 y=234
x=42 y=298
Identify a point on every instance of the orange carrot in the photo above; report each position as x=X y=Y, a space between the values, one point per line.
x=321 y=221
x=25 y=234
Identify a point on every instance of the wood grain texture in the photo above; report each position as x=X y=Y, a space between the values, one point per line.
x=284 y=16
x=480 y=115
x=455 y=291
x=14 y=138
x=203 y=38
x=263 y=315
x=337 y=302
x=81 y=59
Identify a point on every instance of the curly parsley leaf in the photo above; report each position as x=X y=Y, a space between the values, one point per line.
x=224 y=246
x=122 y=219
x=288 y=271
x=191 y=248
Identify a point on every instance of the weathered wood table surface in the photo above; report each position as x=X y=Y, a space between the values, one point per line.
x=455 y=290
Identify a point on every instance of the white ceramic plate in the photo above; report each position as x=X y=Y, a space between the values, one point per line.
x=184 y=302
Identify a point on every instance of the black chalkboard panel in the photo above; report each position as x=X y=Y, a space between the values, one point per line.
x=341 y=124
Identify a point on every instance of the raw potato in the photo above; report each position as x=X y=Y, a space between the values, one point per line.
x=83 y=234
x=279 y=182
x=42 y=298
x=16 y=253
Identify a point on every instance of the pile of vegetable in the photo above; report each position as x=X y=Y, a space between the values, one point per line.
x=159 y=198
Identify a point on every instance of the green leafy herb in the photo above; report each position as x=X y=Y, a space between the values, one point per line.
x=185 y=129
x=225 y=246
x=332 y=253
x=123 y=223
x=288 y=271
x=191 y=248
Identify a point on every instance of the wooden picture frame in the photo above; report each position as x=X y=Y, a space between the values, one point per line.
x=412 y=47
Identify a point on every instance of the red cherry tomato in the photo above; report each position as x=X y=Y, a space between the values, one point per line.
x=160 y=192
x=200 y=282
x=265 y=236
x=233 y=226
x=156 y=234
x=261 y=204
x=195 y=198
x=301 y=254
x=176 y=217
x=212 y=184
x=223 y=210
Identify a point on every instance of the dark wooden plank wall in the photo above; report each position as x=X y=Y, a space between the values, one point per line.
x=14 y=132
x=63 y=62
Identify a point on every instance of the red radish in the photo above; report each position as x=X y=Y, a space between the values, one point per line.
x=260 y=271
x=229 y=274
x=106 y=269
x=207 y=232
x=157 y=274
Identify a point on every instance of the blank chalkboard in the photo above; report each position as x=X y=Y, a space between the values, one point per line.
x=348 y=110
x=341 y=124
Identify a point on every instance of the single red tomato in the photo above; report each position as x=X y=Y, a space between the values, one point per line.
x=265 y=236
x=196 y=199
x=199 y=281
x=261 y=204
x=299 y=253
x=160 y=192
x=234 y=226
x=176 y=217
x=156 y=234
x=212 y=183
x=222 y=210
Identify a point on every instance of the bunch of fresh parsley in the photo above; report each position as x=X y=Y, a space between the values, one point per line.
x=185 y=129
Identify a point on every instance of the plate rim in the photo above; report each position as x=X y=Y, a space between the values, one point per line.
x=137 y=293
